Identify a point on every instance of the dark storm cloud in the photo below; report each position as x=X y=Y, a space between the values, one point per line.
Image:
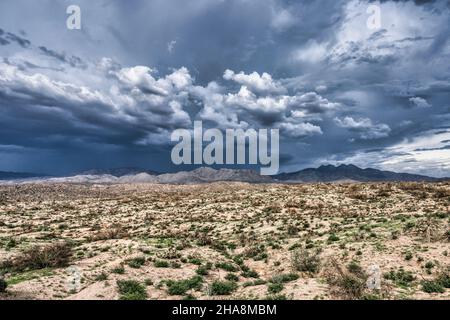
x=74 y=61
x=334 y=88
x=8 y=38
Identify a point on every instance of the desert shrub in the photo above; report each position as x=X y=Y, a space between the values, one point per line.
x=306 y=261
x=428 y=229
x=195 y=260
x=169 y=254
x=131 y=290
x=3 y=285
x=238 y=260
x=284 y=278
x=202 y=270
x=272 y=209
x=347 y=283
x=101 y=277
x=204 y=240
x=352 y=286
x=444 y=278
x=56 y=255
x=12 y=243
x=292 y=230
x=180 y=287
x=432 y=286
x=226 y=266
x=221 y=288
x=250 y=274
x=355 y=268
x=161 y=264
x=401 y=277
x=136 y=263
x=408 y=256
x=118 y=270
x=232 y=277
x=256 y=252
x=275 y=287
x=333 y=238
x=447 y=235
x=113 y=232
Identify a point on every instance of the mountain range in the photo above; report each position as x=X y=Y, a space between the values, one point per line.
x=326 y=173
x=329 y=173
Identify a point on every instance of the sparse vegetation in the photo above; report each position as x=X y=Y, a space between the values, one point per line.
x=306 y=261
x=180 y=287
x=131 y=290
x=55 y=255
x=221 y=288
x=247 y=241
x=136 y=263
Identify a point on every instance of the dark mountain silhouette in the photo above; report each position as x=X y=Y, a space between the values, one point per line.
x=330 y=173
x=327 y=173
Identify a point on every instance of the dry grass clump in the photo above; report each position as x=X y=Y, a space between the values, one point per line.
x=429 y=229
x=114 y=232
x=55 y=255
x=306 y=261
x=346 y=283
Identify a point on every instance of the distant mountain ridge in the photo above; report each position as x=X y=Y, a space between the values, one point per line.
x=326 y=173
x=118 y=172
x=330 y=173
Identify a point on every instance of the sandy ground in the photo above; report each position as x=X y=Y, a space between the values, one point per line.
x=233 y=235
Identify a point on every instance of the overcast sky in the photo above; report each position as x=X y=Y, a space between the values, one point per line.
x=339 y=90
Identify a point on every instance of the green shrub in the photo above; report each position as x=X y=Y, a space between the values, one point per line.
x=275 y=287
x=444 y=279
x=226 y=266
x=232 y=277
x=333 y=238
x=250 y=274
x=119 y=269
x=131 y=290
x=355 y=268
x=161 y=264
x=202 y=270
x=195 y=261
x=401 y=277
x=180 y=287
x=136 y=263
x=221 y=288
x=306 y=261
x=432 y=286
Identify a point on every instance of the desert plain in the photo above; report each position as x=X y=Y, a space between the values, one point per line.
x=225 y=240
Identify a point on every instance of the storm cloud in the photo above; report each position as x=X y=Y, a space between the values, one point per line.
x=112 y=93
